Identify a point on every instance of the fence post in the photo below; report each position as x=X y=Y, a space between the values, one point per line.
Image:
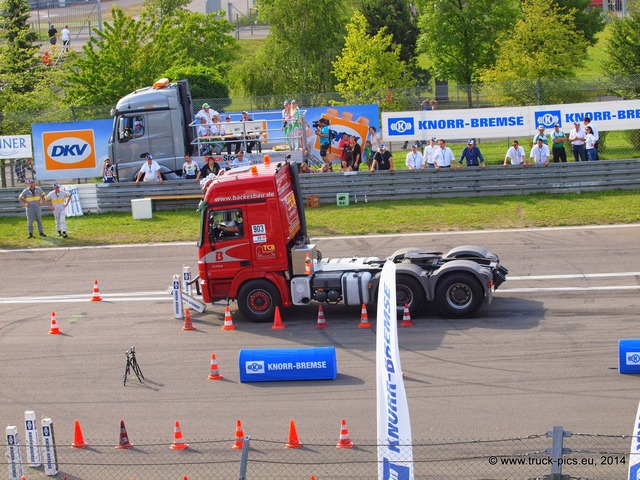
x=244 y=458
x=557 y=451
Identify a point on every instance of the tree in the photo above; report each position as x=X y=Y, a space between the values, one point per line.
x=369 y=66
x=589 y=22
x=459 y=36
x=164 y=8
x=204 y=82
x=304 y=39
x=17 y=49
x=403 y=28
x=622 y=51
x=538 y=47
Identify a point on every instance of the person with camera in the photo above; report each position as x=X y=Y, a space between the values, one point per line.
x=322 y=131
x=108 y=171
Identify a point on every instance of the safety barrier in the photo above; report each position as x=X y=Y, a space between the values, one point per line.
x=375 y=186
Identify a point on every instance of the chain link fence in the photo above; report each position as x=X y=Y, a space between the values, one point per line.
x=585 y=456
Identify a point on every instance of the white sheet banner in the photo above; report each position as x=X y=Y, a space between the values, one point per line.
x=15 y=146
x=74 y=209
x=395 y=452
x=508 y=121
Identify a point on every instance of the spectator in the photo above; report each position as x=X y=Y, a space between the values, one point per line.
x=432 y=105
x=588 y=123
x=247 y=139
x=415 y=160
x=472 y=155
x=590 y=143
x=230 y=139
x=108 y=171
x=558 y=139
x=539 y=153
x=304 y=168
x=65 y=35
x=347 y=152
x=357 y=153
x=189 y=168
x=21 y=166
x=150 y=171
x=429 y=150
x=208 y=113
x=31 y=199
x=540 y=134
x=210 y=166
x=515 y=154
x=577 y=139
x=375 y=138
x=367 y=154
x=294 y=126
x=382 y=160
x=285 y=121
x=53 y=35
x=443 y=156
x=58 y=201
x=240 y=160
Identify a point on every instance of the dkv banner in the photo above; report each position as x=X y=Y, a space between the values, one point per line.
x=395 y=451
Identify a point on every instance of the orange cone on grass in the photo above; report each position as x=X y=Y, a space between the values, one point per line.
x=228 y=321
x=293 y=436
x=321 y=321
x=178 y=443
x=78 y=438
x=344 y=441
x=215 y=374
x=237 y=445
x=188 y=324
x=406 y=317
x=124 y=438
x=364 y=318
x=96 y=292
x=277 y=321
x=54 y=330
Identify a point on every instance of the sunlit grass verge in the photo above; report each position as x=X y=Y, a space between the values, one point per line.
x=402 y=216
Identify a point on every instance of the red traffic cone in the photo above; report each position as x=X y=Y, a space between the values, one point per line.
x=54 y=330
x=237 y=445
x=364 y=318
x=124 y=439
x=96 y=292
x=277 y=321
x=78 y=439
x=406 y=318
x=215 y=374
x=188 y=325
x=344 y=441
x=178 y=444
x=228 y=321
x=321 y=322
x=293 y=436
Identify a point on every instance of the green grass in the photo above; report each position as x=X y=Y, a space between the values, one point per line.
x=539 y=210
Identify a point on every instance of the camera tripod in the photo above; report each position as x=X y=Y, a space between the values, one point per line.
x=132 y=364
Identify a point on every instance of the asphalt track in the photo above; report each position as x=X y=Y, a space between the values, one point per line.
x=544 y=354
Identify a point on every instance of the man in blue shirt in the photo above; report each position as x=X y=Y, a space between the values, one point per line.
x=325 y=141
x=473 y=156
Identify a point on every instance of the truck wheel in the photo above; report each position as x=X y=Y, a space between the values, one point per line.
x=459 y=295
x=409 y=291
x=257 y=300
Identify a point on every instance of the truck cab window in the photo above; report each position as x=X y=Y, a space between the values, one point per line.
x=225 y=224
x=130 y=127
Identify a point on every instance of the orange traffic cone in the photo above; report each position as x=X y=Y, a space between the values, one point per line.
x=178 y=444
x=364 y=318
x=228 y=321
x=308 y=265
x=54 y=330
x=96 y=292
x=124 y=439
x=321 y=322
x=188 y=325
x=237 y=445
x=277 y=321
x=344 y=441
x=78 y=439
x=293 y=436
x=215 y=374
x=406 y=317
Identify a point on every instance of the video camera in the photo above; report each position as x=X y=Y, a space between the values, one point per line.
x=316 y=123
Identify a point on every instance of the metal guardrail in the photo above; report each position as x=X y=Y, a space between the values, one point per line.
x=379 y=186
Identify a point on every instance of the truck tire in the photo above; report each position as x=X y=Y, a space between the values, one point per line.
x=459 y=295
x=257 y=300
x=409 y=291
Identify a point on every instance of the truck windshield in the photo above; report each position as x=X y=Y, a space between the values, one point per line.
x=225 y=224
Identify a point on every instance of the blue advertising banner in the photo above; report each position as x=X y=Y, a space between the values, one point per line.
x=70 y=150
x=282 y=364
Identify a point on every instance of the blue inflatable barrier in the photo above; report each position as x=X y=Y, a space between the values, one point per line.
x=284 y=364
x=629 y=355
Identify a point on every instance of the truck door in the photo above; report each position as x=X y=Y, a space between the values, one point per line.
x=130 y=141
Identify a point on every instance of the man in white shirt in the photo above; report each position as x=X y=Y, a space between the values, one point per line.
x=150 y=171
x=577 y=138
x=515 y=154
x=209 y=114
x=415 y=160
x=429 y=150
x=540 y=154
x=443 y=156
x=65 y=35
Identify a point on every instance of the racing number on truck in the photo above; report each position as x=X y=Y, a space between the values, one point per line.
x=219 y=256
x=258 y=229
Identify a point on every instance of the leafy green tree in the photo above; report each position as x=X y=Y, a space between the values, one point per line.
x=304 y=39
x=538 y=47
x=589 y=22
x=204 y=82
x=403 y=28
x=459 y=36
x=622 y=51
x=369 y=66
x=17 y=47
x=164 y=8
